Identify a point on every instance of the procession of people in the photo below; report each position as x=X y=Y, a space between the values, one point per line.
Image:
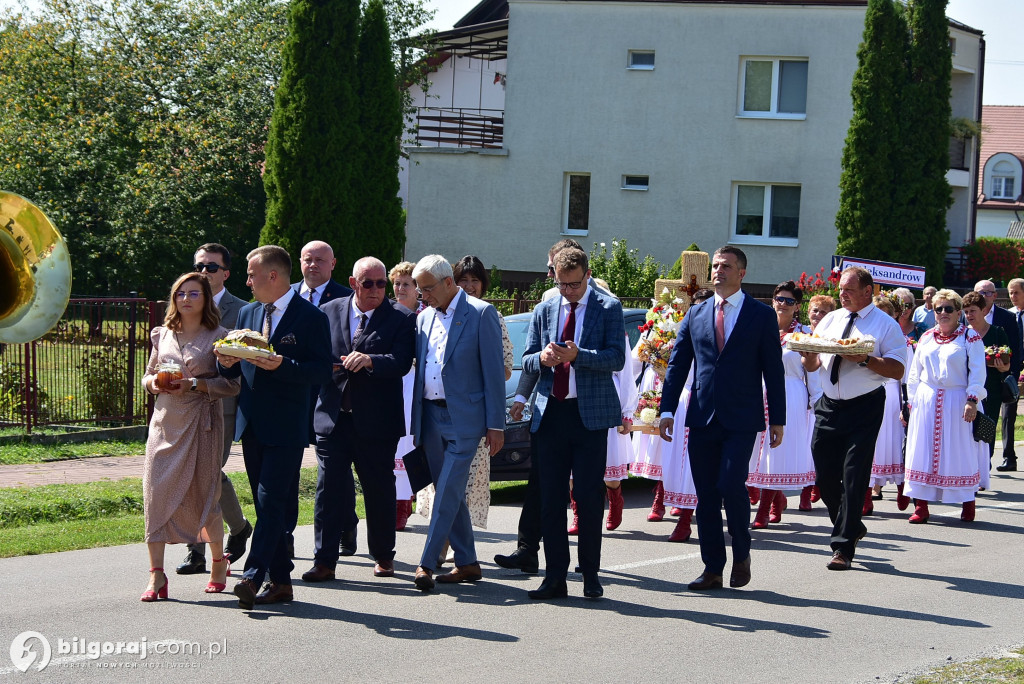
x=410 y=393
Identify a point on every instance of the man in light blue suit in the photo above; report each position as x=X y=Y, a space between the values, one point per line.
x=459 y=398
x=576 y=342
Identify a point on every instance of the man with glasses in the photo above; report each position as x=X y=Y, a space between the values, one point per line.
x=458 y=397
x=359 y=418
x=997 y=315
x=924 y=317
x=575 y=343
x=213 y=260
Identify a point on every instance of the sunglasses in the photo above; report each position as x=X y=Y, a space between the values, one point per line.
x=370 y=284
x=949 y=308
x=788 y=301
x=209 y=268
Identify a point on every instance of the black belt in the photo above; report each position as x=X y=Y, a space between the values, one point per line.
x=866 y=398
x=441 y=403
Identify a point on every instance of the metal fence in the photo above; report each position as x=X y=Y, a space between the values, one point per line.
x=87 y=370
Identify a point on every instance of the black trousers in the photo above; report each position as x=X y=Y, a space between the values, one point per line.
x=529 y=517
x=566 y=448
x=374 y=460
x=1009 y=421
x=843 y=446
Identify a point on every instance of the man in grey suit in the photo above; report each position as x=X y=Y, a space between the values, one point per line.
x=459 y=398
x=575 y=343
x=214 y=261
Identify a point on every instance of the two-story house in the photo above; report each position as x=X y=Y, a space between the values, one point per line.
x=1001 y=169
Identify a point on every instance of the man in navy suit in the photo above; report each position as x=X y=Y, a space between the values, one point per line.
x=575 y=343
x=359 y=418
x=458 y=398
x=273 y=410
x=733 y=340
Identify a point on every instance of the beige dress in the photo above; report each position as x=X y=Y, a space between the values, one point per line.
x=478 y=489
x=181 y=476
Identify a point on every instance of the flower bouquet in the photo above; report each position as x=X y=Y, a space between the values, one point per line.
x=994 y=353
x=648 y=412
x=658 y=333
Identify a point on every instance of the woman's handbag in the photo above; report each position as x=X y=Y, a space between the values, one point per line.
x=984 y=429
x=1011 y=393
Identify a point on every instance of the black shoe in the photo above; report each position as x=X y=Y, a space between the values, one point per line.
x=549 y=589
x=194 y=564
x=592 y=586
x=520 y=559
x=348 y=544
x=235 y=546
x=1009 y=466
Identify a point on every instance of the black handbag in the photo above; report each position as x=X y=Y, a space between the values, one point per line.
x=1011 y=393
x=984 y=429
x=417 y=468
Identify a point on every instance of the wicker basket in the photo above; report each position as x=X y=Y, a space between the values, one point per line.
x=865 y=347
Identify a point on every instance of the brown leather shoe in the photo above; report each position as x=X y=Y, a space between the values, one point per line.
x=424 y=580
x=246 y=593
x=462 y=573
x=384 y=568
x=740 y=576
x=275 y=593
x=839 y=562
x=706 y=581
x=318 y=573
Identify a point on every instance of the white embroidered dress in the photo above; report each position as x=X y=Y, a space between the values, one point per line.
x=679 y=489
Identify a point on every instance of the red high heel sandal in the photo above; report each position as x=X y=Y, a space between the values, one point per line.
x=217 y=587
x=149 y=595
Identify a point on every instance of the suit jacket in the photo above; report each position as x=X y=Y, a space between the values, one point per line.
x=332 y=291
x=389 y=338
x=602 y=352
x=229 y=307
x=473 y=370
x=275 y=404
x=1008 y=322
x=728 y=385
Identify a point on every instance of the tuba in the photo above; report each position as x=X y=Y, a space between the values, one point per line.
x=35 y=271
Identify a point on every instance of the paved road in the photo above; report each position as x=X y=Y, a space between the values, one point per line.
x=917 y=595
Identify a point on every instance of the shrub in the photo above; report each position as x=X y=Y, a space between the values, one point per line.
x=104 y=370
x=626 y=275
x=996 y=259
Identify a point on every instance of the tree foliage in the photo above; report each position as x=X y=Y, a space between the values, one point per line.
x=626 y=274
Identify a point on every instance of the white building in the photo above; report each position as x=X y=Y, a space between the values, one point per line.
x=1000 y=201
x=663 y=122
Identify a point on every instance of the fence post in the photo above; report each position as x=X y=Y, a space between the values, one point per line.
x=129 y=392
x=31 y=397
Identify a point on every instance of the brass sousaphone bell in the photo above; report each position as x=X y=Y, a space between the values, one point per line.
x=35 y=271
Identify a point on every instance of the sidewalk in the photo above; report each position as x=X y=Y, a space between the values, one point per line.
x=104 y=468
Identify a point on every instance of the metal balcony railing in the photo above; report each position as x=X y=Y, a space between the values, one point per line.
x=460 y=127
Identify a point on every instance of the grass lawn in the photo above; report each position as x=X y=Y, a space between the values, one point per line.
x=1006 y=669
x=14 y=454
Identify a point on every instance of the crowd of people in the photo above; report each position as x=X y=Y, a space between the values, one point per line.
x=393 y=388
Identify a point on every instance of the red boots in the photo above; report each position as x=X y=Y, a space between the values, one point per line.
x=574 y=527
x=755 y=495
x=779 y=504
x=615 y=504
x=657 y=513
x=403 y=509
x=682 y=531
x=805 y=498
x=920 y=515
x=869 y=506
x=967 y=514
x=763 y=510
x=815 y=494
x=902 y=502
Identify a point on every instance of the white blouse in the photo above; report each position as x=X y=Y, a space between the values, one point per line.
x=956 y=364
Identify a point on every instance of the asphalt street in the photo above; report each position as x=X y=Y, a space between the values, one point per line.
x=917 y=595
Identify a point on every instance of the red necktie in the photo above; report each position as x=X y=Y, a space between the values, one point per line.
x=720 y=327
x=560 y=389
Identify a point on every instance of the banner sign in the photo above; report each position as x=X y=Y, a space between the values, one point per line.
x=884 y=272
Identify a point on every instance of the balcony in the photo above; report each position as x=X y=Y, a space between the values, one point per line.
x=958 y=155
x=460 y=127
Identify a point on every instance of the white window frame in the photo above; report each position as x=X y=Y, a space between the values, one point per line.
x=566 y=184
x=764 y=238
x=631 y=66
x=1002 y=165
x=773 y=112
x=1002 y=181
x=632 y=181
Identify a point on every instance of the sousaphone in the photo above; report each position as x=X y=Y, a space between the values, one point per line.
x=35 y=271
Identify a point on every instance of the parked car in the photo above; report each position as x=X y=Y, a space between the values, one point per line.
x=513 y=461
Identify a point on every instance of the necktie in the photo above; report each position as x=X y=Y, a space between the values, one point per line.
x=359 y=328
x=346 y=394
x=269 y=310
x=311 y=293
x=720 y=327
x=834 y=373
x=560 y=388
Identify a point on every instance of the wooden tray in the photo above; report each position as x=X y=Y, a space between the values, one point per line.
x=646 y=429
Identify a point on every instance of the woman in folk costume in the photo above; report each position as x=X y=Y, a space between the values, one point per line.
x=405 y=294
x=947 y=383
x=789 y=465
x=647 y=449
x=679 y=490
x=818 y=306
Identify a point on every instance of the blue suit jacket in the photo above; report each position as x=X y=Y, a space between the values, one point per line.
x=332 y=291
x=473 y=371
x=728 y=385
x=275 y=404
x=602 y=351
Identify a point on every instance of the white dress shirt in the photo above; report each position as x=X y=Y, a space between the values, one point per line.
x=219 y=296
x=275 y=317
x=733 y=303
x=353 y=319
x=433 y=385
x=563 y=312
x=856 y=380
x=318 y=292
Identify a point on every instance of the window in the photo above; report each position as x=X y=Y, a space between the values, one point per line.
x=641 y=59
x=1003 y=181
x=635 y=182
x=577 y=204
x=773 y=88
x=779 y=203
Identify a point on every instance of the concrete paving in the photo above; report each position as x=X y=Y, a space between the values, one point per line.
x=917 y=596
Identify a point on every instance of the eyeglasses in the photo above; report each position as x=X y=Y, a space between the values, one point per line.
x=551 y=270
x=571 y=287
x=788 y=301
x=949 y=308
x=370 y=284
x=987 y=293
x=428 y=289
x=191 y=294
x=209 y=268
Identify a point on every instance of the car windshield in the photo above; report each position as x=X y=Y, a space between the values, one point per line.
x=517 y=329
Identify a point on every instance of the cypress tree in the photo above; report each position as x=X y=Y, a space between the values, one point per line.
x=923 y=195
x=379 y=216
x=871 y=154
x=314 y=132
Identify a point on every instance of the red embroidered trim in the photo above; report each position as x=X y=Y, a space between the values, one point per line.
x=618 y=472
x=887 y=469
x=946 y=339
x=778 y=481
x=680 y=500
x=945 y=481
x=783 y=333
x=399 y=464
x=937 y=430
x=648 y=470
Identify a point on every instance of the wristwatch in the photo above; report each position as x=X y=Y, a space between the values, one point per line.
x=195 y=384
x=864 y=363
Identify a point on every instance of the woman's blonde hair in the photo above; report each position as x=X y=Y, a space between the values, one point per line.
x=949 y=296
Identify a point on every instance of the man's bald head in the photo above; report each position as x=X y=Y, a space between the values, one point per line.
x=317 y=263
